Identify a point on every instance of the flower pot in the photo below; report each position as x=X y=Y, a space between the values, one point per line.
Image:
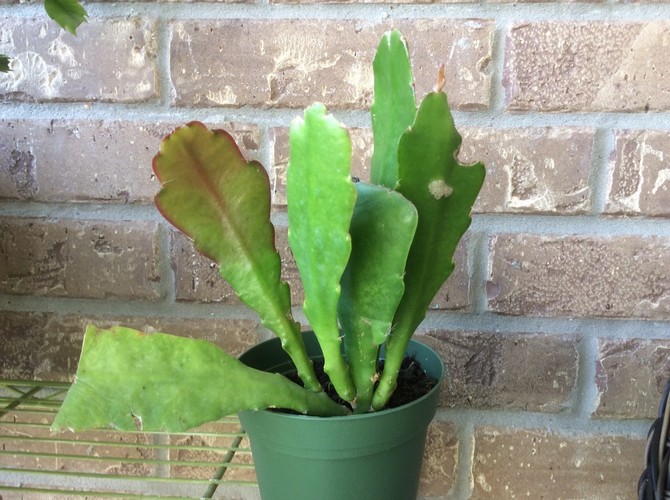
x=358 y=457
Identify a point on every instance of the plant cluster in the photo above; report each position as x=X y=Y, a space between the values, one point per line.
x=371 y=257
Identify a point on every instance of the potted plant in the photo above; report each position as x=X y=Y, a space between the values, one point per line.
x=371 y=257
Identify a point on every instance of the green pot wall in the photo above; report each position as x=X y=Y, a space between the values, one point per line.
x=359 y=457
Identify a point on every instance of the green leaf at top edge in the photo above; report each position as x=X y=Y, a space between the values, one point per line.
x=69 y=14
x=394 y=106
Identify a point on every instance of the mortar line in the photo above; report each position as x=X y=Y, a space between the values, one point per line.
x=586 y=396
x=600 y=176
x=166 y=90
x=498 y=44
x=566 y=424
x=614 y=11
x=166 y=273
x=587 y=225
x=478 y=257
x=464 y=486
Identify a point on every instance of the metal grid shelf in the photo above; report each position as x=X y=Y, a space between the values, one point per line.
x=213 y=461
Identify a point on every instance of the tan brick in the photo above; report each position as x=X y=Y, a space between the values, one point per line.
x=516 y=463
x=46 y=346
x=506 y=371
x=532 y=170
x=110 y=60
x=630 y=376
x=587 y=66
x=108 y=161
x=292 y=63
x=621 y=276
x=440 y=460
x=640 y=179
x=197 y=278
x=68 y=258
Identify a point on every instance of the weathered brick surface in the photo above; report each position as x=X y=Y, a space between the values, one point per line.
x=631 y=375
x=292 y=63
x=506 y=371
x=46 y=346
x=108 y=161
x=587 y=66
x=532 y=170
x=622 y=276
x=440 y=460
x=71 y=258
x=197 y=278
x=520 y=463
x=111 y=60
x=640 y=178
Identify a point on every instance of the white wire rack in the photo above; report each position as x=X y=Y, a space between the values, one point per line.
x=213 y=461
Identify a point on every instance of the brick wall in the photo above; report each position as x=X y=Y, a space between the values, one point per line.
x=556 y=325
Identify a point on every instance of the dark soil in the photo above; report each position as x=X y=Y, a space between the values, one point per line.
x=413 y=382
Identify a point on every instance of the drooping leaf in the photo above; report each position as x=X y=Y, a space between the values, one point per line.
x=381 y=230
x=320 y=202
x=4 y=63
x=222 y=202
x=443 y=191
x=129 y=380
x=69 y=14
x=394 y=107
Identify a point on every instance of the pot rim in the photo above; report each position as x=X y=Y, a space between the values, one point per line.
x=362 y=416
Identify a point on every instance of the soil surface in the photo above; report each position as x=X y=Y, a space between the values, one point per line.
x=413 y=382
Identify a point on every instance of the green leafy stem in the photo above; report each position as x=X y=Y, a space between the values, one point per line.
x=371 y=257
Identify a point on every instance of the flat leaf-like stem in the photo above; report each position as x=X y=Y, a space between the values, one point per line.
x=394 y=106
x=381 y=230
x=130 y=380
x=320 y=203
x=443 y=191
x=216 y=197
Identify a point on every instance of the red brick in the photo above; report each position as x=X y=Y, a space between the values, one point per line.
x=506 y=371
x=46 y=346
x=292 y=63
x=72 y=258
x=111 y=60
x=440 y=460
x=108 y=161
x=532 y=170
x=619 y=276
x=528 y=463
x=631 y=375
x=587 y=66
x=640 y=177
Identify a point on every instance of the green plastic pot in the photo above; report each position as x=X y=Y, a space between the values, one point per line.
x=358 y=457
